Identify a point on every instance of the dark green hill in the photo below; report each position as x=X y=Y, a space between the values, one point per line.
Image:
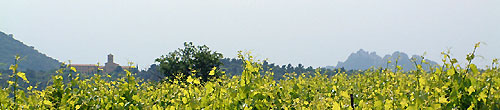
x=31 y=59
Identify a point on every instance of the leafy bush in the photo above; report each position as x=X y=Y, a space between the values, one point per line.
x=190 y=60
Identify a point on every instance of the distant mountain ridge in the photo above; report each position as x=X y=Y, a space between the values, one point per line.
x=362 y=60
x=31 y=58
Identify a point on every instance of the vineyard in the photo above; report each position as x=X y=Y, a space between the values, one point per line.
x=448 y=86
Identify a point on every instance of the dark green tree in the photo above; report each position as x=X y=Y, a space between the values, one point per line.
x=118 y=69
x=197 y=60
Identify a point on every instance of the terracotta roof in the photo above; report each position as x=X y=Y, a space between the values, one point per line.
x=126 y=66
x=83 y=64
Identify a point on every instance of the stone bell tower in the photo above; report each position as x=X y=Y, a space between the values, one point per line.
x=110 y=65
x=110 y=58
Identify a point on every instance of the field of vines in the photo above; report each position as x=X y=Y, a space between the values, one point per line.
x=448 y=86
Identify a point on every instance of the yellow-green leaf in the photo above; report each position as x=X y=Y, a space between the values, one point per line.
x=482 y=96
x=336 y=106
x=443 y=99
x=23 y=76
x=77 y=107
x=209 y=87
x=473 y=67
x=404 y=102
x=471 y=90
x=189 y=80
x=184 y=100
x=344 y=94
x=136 y=97
x=17 y=57
x=46 y=102
x=73 y=69
x=196 y=81
x=471 y=107
x=212 y=72
x=377 y=103
x=451 y=72
x=13 y=67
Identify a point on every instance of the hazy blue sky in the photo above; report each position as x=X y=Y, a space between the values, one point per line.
x=312 y=32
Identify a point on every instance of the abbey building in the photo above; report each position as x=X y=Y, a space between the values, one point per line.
x=108 y=67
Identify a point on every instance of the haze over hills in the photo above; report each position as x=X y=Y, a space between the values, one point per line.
x=34 y=60
x=31 y=58
x=362 y=60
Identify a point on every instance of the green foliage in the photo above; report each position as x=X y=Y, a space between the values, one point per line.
x=447 y=87
x=190 y=60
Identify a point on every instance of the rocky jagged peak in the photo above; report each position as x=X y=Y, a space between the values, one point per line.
x=363 y=60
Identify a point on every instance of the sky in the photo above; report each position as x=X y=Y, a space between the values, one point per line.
x=312 y=32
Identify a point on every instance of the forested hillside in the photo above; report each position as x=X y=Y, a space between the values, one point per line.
x=31 y=59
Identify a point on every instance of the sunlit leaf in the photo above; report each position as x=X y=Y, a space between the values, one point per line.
x=73 y=69
x=23 y=76
x=46 y=102
x=212 y=72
